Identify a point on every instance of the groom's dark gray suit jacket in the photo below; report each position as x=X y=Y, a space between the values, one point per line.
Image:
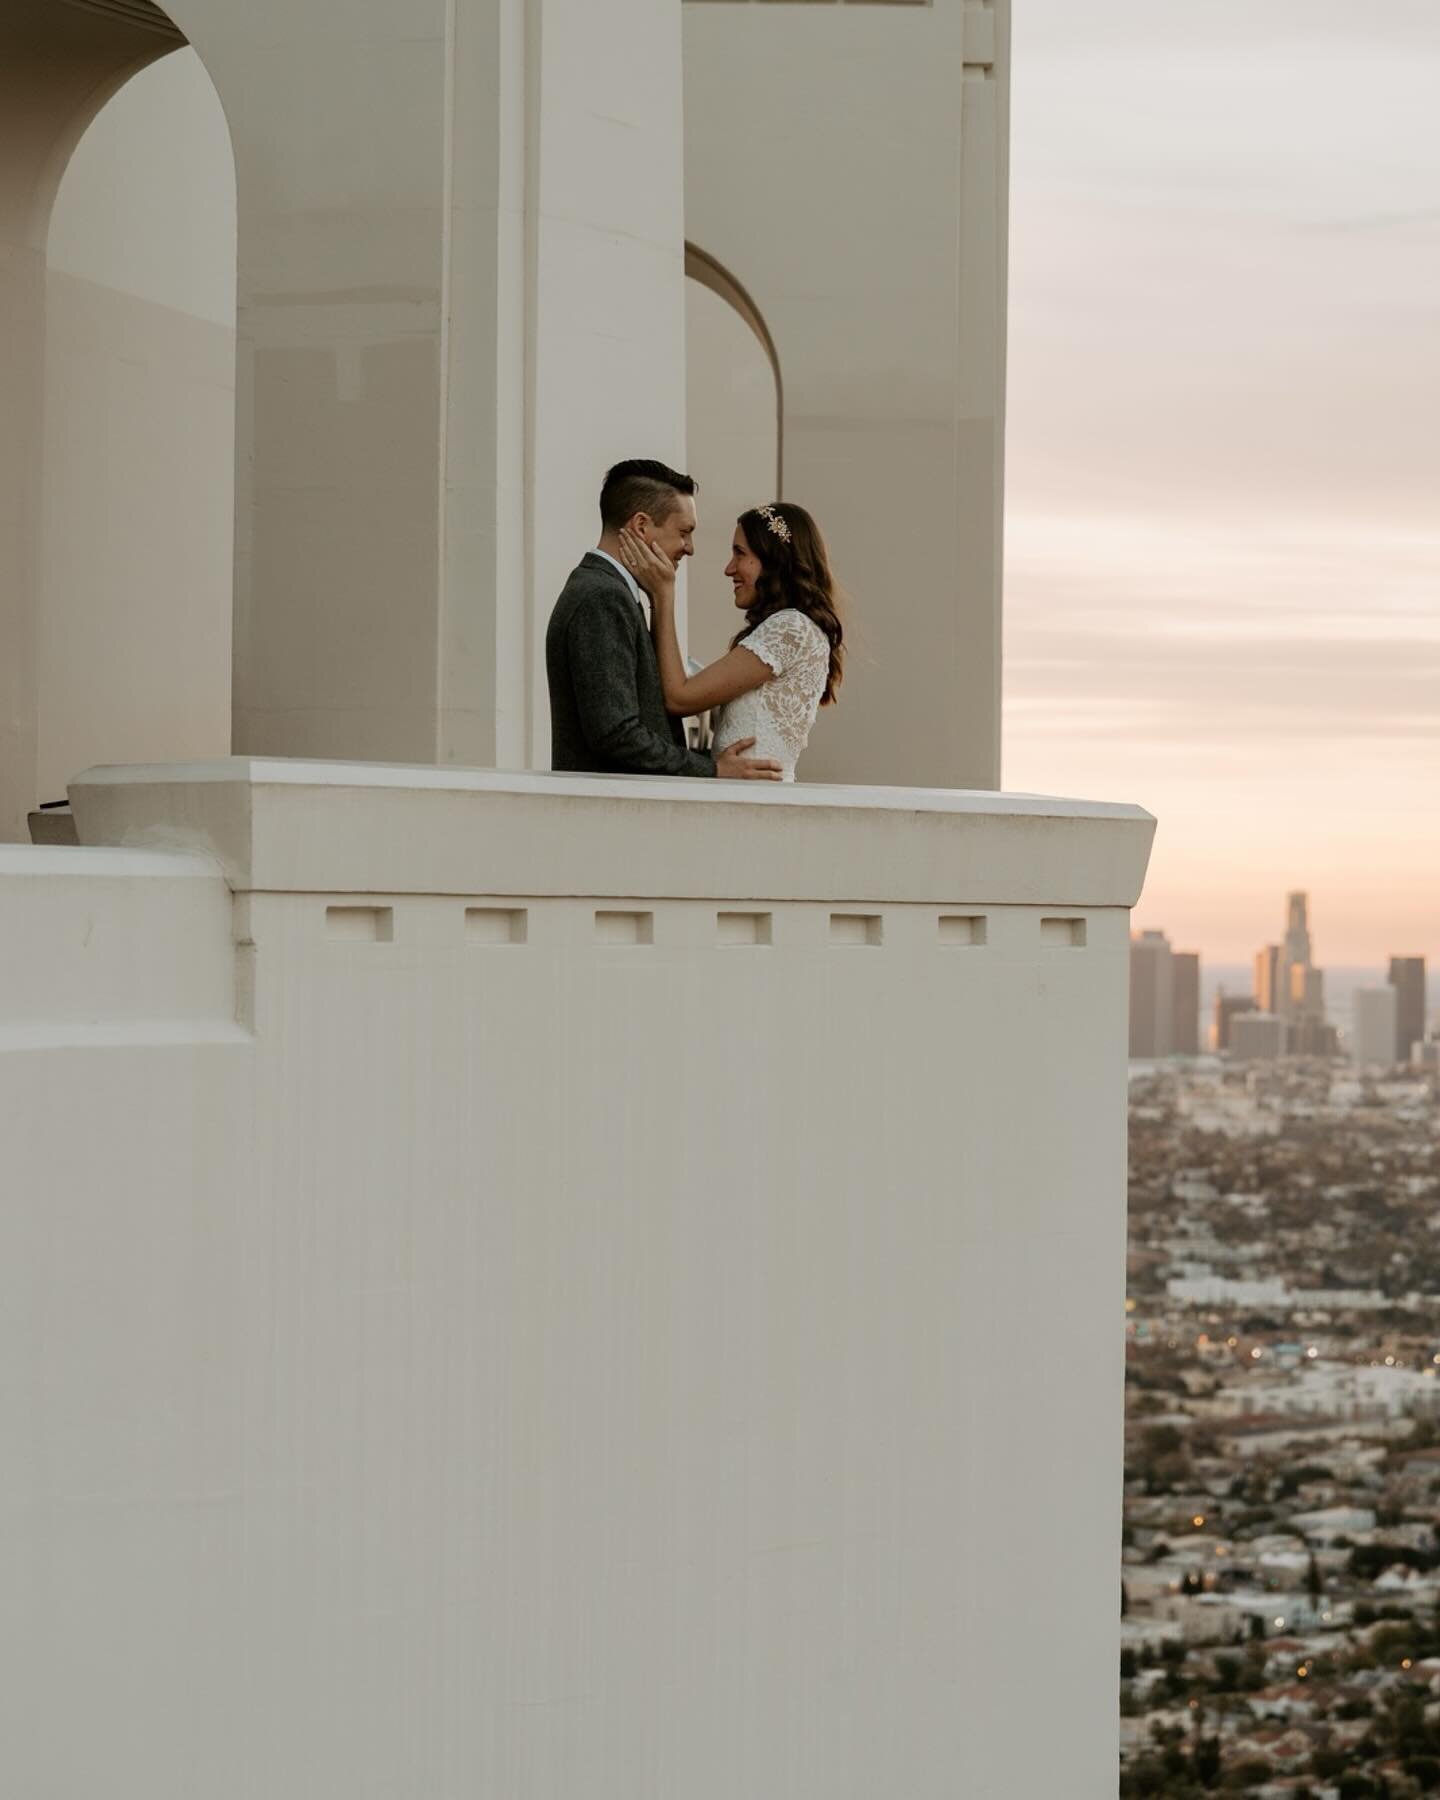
x=607 y=708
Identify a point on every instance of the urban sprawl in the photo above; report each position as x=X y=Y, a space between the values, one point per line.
x=1280 y=1594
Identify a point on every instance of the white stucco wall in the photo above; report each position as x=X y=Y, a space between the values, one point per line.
x=481 y=1319
x=135 y=619
x=732 y=452
x=127 y=1119
x=460 y=297
x=848 y=165
x=147 y=201
x=458 y=277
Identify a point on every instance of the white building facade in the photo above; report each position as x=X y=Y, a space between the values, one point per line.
x=455 y=307
x=521 y=1286
x=516 y=1287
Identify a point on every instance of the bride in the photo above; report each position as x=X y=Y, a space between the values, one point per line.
x=785 y=663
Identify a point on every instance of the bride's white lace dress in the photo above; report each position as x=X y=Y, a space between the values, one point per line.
x=779 y=713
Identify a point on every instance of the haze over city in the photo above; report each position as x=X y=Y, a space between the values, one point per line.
x=1222 y=544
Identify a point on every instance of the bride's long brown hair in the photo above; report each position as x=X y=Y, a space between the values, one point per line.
x=794 y=571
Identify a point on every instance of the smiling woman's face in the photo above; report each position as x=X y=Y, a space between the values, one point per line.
x=743 y=570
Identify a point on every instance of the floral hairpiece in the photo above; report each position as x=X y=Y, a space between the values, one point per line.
x=777 y=525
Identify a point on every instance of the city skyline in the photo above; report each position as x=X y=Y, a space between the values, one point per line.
x=1221 y=537
x=1285 y=1002
x=1149 y=919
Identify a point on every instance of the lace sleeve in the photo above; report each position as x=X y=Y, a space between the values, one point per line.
x=782 y=640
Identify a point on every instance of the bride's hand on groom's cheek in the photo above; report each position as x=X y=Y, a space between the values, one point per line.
x=650 y=567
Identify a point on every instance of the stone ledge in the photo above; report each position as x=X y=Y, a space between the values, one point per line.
x=295 y=826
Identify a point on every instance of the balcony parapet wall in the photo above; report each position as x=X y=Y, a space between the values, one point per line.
x=296 y=826
x=634 y=1307
x=113 y=946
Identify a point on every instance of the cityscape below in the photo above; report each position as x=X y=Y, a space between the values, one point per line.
x=1287 y=1006
x=1280 y=1604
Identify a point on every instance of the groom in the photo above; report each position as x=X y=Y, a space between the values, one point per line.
x=607 y=709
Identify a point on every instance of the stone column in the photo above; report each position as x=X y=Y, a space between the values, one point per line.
x=606 y=376
x=460 y=250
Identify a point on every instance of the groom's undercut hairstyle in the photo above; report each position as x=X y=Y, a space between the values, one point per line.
x=641 y=485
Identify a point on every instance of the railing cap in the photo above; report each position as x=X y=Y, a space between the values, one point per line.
x=339 y=827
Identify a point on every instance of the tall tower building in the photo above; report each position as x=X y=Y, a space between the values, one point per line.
x=1227 y=1008
x=1372 y=1035
x=1407 y=977
x=1312 y=993
x=1297 y=929
x=1164 y=997
x=1267 y=979
x=1185 y=1002
x=1152 y=995
x=1294 y=996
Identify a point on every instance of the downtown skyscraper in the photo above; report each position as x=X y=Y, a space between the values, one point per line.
x=1407 y=977
x=1372 y=1030
x=1301 y=985
x=1289 y=987
x=1164 y=997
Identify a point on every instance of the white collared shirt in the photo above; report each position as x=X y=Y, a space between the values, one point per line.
x=630 y=581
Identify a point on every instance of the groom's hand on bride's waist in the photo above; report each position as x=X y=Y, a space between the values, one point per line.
x=732 y=764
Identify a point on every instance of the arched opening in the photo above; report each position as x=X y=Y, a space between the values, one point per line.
x=735 y=432
x=134 y=617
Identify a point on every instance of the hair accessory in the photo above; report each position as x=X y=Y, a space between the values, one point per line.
x=777 y=525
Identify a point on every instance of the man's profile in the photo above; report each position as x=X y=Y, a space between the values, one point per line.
x=607 y=706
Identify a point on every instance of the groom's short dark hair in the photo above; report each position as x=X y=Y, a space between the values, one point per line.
x=641 y=485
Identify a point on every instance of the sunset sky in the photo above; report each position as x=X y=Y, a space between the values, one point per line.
x=1223 y=537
